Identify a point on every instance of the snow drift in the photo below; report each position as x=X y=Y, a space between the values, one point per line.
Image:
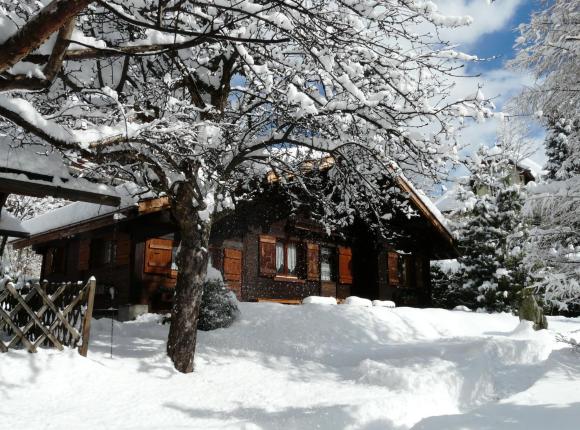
x=301 y=367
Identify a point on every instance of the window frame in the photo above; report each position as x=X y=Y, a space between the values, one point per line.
x=57 y=261
x=102 y=252
x=109 y=252
x=285 y=273
x=333 y=262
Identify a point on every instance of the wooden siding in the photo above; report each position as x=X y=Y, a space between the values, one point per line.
x=246 y=256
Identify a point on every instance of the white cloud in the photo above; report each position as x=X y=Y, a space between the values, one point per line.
x=499 y=85
x=487 y=18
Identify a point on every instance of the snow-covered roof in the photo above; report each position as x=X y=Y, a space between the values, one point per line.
x=32 y=158
x=80 y=211
x=535 y=169
x=449 y=201
x=436 y=216
x=35 y=172
x=528 y=164
x=11 y=226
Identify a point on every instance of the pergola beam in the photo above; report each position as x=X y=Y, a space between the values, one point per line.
x=10 y=185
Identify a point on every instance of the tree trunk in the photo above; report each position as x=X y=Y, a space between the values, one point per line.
x=2 y=247
x=192 y=263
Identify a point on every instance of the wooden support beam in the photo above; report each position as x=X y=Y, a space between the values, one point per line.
x=36 y=189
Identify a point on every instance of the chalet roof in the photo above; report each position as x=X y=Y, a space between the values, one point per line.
x=83 y=213
x=32 y=172
x=449 y=201
x=79 y=212
x=422 y=202
x=11 y=226
x=426 y=206
x=534 y=168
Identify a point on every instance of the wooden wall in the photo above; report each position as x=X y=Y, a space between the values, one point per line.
x=80 y=265
x=236 y=246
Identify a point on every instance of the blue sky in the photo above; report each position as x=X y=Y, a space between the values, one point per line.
x=491 y=36
x=500 y=43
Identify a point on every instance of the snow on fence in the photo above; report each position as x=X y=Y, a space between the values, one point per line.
x=47 y=315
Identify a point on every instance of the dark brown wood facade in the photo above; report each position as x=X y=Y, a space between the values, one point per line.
x=261 y=256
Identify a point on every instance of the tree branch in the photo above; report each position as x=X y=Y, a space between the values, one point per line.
x=38 y=29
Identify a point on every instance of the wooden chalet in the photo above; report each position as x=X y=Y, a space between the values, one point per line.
x=263 y=252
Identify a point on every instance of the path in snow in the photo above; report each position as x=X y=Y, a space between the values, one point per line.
x=303 y=367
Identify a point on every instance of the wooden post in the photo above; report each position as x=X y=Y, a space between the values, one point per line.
x=3 y=198
x=84 y=348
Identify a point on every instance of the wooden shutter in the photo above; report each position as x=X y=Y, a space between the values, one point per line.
x=344 y=265
x=393 y=267
x=312 y=261
x=267 y=256
x=123 y=250
x=84 y=254
x=232 y=265
x=158 y=253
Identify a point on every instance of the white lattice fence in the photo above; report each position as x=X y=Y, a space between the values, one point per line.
x=46 y=315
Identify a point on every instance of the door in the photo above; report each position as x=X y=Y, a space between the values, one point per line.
x=233 y=270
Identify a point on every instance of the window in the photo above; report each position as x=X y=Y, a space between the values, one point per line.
x=327 y=264
x=404 y=267
x=402 y=270
x=102 y=252
x=56 y=260
x=174 y=252
x=110 y=252
x=286 y=258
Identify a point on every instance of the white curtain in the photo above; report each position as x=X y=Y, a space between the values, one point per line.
x=279 y=256
x=291 y=257
x=174 y=252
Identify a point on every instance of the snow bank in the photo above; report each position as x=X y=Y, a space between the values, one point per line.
x=358 y=301
x=319 y=300
x=384 y=303
x=302 y=367
x=213 y=274
x=462 y=308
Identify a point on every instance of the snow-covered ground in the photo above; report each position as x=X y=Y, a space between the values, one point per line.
x=305 y=367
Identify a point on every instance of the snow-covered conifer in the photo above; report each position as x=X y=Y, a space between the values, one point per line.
x=491 y=235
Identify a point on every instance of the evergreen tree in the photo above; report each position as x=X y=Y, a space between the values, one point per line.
x=561 y=132
x=492 y=272
x=219 y=306
x=491 y=234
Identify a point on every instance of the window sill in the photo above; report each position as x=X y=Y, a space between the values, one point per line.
x=283 y=278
